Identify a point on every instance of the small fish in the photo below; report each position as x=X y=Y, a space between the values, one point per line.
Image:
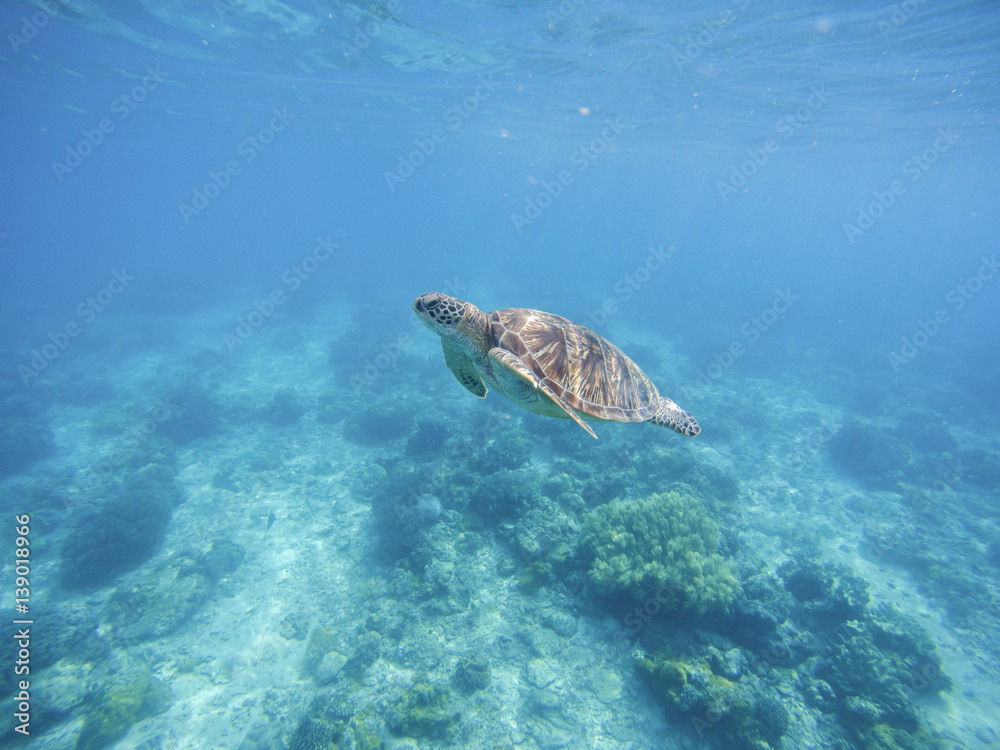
x=270 y=520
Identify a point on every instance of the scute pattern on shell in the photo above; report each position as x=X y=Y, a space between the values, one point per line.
x=588 y=372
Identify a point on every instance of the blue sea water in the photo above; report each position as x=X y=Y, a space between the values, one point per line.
x=260 y=511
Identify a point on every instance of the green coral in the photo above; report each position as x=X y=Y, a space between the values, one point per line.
x=124 y=530
x=151 y=605
x=773 y=719
x=884 y=737
x=364 y=731
x=667 y=539
x=744 y=717
x=877 y=668
x=422 y=712
x=712 y=481
x=472 y=674
x=323 y=642
x=534 y=576
x=121 y=705
x=826 y=589
x=505 y=493
x=314 y=734
x=507 y=452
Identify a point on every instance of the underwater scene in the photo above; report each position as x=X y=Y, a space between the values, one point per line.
x=525 y=374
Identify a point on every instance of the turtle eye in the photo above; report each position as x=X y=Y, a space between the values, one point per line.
x=431 y=304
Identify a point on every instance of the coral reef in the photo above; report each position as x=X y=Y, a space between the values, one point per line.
x=123 y=532
x=336 y=719
x=223 y=558
x=435 y=562
x=667 y=539
x=24 y=435
x=376 y=422
x=772 y=719
x=472 y=673
x=402 y=508
x=324 y=646
x=423 y=711
x=876 y=671
x=314 y=734
x=67 y=630
x=830 y=590
x=762 y=606
x=285 y=408
x=504 y=493
x=331 y=407
x=534 y=576
x=119 y=705
x=473 y=578
x=152 y=604
x=983 y=467
x=544 y=535
x=196 y=414
x=870 y=454
x=427 y=439
x=508 y=451
x=736 y=707
x=22 y=442
x=927 y=431
x=368 y=480
x=708 y=480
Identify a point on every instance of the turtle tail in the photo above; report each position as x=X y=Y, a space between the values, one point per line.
x=669 y=414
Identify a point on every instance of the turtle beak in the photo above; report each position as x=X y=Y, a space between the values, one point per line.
x=419 y=304
x=422 y=306
x=426 y=301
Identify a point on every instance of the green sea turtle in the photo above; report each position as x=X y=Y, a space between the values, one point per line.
x=546 y=364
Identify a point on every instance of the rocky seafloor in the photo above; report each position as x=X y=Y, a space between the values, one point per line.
x=320 y=540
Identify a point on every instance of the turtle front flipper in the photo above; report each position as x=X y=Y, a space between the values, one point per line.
x=669 y=414
x=463 y=369
x=513 y=365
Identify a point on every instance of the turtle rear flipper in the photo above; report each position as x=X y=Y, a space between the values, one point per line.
x=512 y=364
x=463 y=369
x=669 y=414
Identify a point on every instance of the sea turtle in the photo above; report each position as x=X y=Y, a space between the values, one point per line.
x=546 y=364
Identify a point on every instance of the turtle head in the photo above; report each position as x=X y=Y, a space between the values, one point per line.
x=451 y=318
x=441 y=313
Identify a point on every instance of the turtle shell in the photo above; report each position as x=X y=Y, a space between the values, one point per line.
x=585 y=370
